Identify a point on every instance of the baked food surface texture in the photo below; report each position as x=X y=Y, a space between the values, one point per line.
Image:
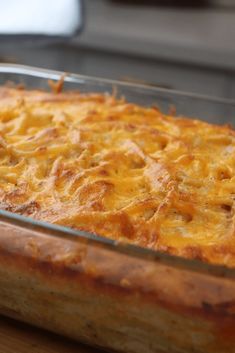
x=98 y=163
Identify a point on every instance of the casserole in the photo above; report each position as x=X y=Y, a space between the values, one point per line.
x=109 y=294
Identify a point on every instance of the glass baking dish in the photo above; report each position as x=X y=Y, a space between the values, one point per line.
x=107 y=294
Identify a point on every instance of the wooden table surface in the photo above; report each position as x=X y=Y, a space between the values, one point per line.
x=16 y=337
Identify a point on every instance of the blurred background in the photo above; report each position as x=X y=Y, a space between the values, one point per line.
x=183 y=45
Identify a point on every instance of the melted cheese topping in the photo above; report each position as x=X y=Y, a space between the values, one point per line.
x=130 y=173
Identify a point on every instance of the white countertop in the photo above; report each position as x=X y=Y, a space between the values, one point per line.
x=199 y=36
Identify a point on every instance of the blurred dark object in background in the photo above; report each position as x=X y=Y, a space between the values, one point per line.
x=173 y=3
x=179 y=3
x=155 y=42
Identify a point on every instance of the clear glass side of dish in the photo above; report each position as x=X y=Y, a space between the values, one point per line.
x=113 y=297
x=213 y=110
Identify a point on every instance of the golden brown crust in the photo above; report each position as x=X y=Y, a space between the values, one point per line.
x=100 y=164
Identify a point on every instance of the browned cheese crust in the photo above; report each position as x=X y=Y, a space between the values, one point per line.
x=100 y=164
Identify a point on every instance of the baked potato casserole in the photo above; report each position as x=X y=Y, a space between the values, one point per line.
x=98 y=163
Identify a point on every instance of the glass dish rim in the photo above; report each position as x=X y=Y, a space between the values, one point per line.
x=71 y=234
